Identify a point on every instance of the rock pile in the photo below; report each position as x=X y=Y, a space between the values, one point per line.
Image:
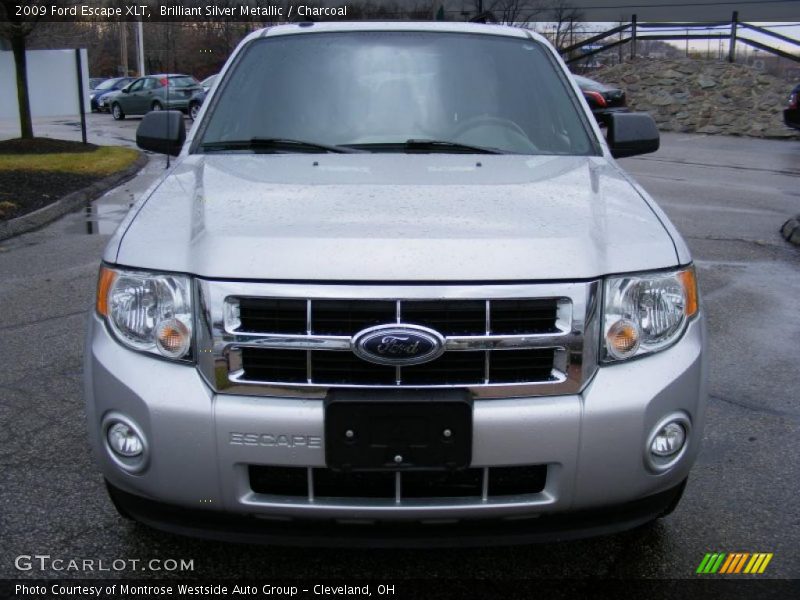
x=688 y=95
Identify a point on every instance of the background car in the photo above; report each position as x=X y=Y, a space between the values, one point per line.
x=102 y=91
x=196 y=102
x=791 y=114
x=95 y=81
x=154 y=92
x=603 y=99
x=209 y=81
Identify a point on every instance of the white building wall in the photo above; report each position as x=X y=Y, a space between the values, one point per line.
x=52 y=84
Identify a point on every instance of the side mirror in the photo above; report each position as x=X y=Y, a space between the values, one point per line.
x=630 y=134
x=162 y=131
x=125 y=90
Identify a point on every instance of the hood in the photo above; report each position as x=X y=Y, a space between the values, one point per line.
x=394 y=217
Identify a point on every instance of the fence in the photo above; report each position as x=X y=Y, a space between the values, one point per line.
x=640 y=31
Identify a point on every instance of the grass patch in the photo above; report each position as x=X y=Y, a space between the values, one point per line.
x=103 y=161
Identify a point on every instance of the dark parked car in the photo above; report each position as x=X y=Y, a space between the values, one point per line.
x=196 y=103
x=154 y=92
x=603 y=99
x=100 y=93
x=791 y=114
x=95 y=81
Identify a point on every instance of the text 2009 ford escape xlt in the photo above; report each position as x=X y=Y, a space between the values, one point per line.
x=395 y=288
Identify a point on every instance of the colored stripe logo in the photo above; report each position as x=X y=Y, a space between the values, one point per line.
x=734 y=563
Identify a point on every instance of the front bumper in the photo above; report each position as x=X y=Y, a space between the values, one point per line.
x=557 y=527
x=791 y=116
x=593 y=443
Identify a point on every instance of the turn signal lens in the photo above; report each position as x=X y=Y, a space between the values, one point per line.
x=172 y=338
x=104 y=283
x=623 y=339
x=689 y=280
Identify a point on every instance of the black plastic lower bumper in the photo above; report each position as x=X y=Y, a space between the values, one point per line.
x=478 y=532
x=791 y=116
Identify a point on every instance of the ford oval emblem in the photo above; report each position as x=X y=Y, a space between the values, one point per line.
x=398 y=345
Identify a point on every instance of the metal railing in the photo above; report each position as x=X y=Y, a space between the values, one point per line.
x=577 y=51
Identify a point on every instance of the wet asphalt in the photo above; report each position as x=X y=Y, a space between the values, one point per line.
x=727 y=196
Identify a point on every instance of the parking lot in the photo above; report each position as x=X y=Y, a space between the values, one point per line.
x=728 y=197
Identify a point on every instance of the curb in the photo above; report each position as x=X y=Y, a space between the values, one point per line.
x=70 y=202
x=791 y=230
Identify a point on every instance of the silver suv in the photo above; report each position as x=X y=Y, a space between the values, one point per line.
x=396 y=290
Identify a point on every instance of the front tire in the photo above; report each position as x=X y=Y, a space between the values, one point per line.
x=156 y=106
x=194 y=110
x=116 y=112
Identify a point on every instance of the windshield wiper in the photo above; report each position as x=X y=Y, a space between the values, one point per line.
x=279 y=144
x=423 y=146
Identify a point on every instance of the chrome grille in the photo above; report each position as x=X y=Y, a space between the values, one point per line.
x=348 y=317
x=296 y=340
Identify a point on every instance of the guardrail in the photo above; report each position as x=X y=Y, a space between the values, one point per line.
x=576 y=52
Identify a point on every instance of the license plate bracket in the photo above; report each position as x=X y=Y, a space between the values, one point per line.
x=426 y=430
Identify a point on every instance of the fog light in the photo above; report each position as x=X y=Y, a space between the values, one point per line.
x=124 y=440
x=667 y=441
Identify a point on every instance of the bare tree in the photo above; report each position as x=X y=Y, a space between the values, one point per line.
x=511 y=12
x=566 y=19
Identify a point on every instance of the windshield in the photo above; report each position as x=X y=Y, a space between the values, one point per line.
x=377 y=91
x=107 y=84
x=589 y=84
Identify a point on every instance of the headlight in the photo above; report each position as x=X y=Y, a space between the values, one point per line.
x=150 y=312
x=647 y=312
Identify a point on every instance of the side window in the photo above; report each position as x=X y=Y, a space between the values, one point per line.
x=150 y=84
x=137 y=85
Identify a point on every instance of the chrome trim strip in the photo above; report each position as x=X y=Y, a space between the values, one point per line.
x=487 y=361
x=408 y=508
x=398 y=487
x=281 y=341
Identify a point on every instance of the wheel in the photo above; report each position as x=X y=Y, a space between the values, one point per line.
x=194 y=110
x=156 y=106
x=116 y=112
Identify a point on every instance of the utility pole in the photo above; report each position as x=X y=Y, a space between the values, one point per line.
x=140 y=46
x=123 y=48
x=732 y=45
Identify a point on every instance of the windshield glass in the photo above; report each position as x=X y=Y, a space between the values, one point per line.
x=378 y=90
x=107 y=84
